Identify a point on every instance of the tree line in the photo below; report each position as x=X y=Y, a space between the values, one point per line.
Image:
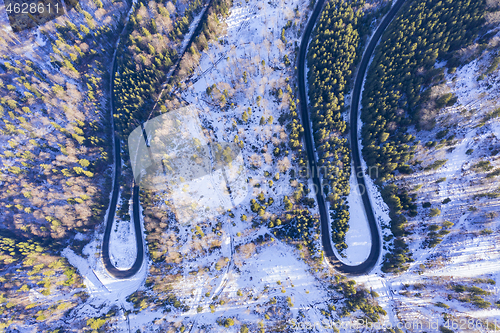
x=55 y=161
x=143 y=60
x=332 y=56
x=396 y=87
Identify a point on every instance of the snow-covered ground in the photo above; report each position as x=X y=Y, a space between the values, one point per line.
x=250 y=276
x=358 y=237
x=104 y=290
x=102 y=287
x=123 y=248
x=258 y=284
x=251 y=47
x=466 y=253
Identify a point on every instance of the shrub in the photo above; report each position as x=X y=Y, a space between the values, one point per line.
x=442 y=305
x=228 y=322
x=447 y=224
x=431 y=144
x=436 y=165
x=442 y=134
x=459 y=288
x=492 y=115
x=494 y=65
x=480 y=302
x=486 y=231
x=405 y=169
x=478 y=291
x=494 y=173
x=482 y=166
x=446 y=100
x=435 y=212
x=433 y=242
x=434 y=227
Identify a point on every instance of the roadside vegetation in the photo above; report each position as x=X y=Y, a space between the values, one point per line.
x=397 y=86
x=55 y=154
x=332 y=56
x=251 y=96
x=155 y=33
x=472 y=293
x=146 y=56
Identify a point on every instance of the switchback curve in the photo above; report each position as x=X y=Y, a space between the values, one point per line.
x=375 y=249
x=139 y=238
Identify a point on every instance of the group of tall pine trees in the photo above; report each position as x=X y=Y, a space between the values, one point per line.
x=397 y=85
x=332 y=56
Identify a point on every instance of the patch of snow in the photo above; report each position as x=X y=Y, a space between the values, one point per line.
x=79 y=236
x=122 y=244
x=271 y=264
x=358 y=237
x=101 y=286
x=466 y=86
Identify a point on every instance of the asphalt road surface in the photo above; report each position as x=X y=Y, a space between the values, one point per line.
x=330 y=255
x=372 y=259
x=108 y=265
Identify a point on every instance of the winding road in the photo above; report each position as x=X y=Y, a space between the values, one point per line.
x=331 y=256
x=375 y=249
x=108 y=265
x=139 y=238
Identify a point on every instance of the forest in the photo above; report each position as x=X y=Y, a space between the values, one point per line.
x=55 y=118
x=66 y=158
x=396 y=87
x=69 y=152
x=332 y=56
x=146 y=57
x=55 y=125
